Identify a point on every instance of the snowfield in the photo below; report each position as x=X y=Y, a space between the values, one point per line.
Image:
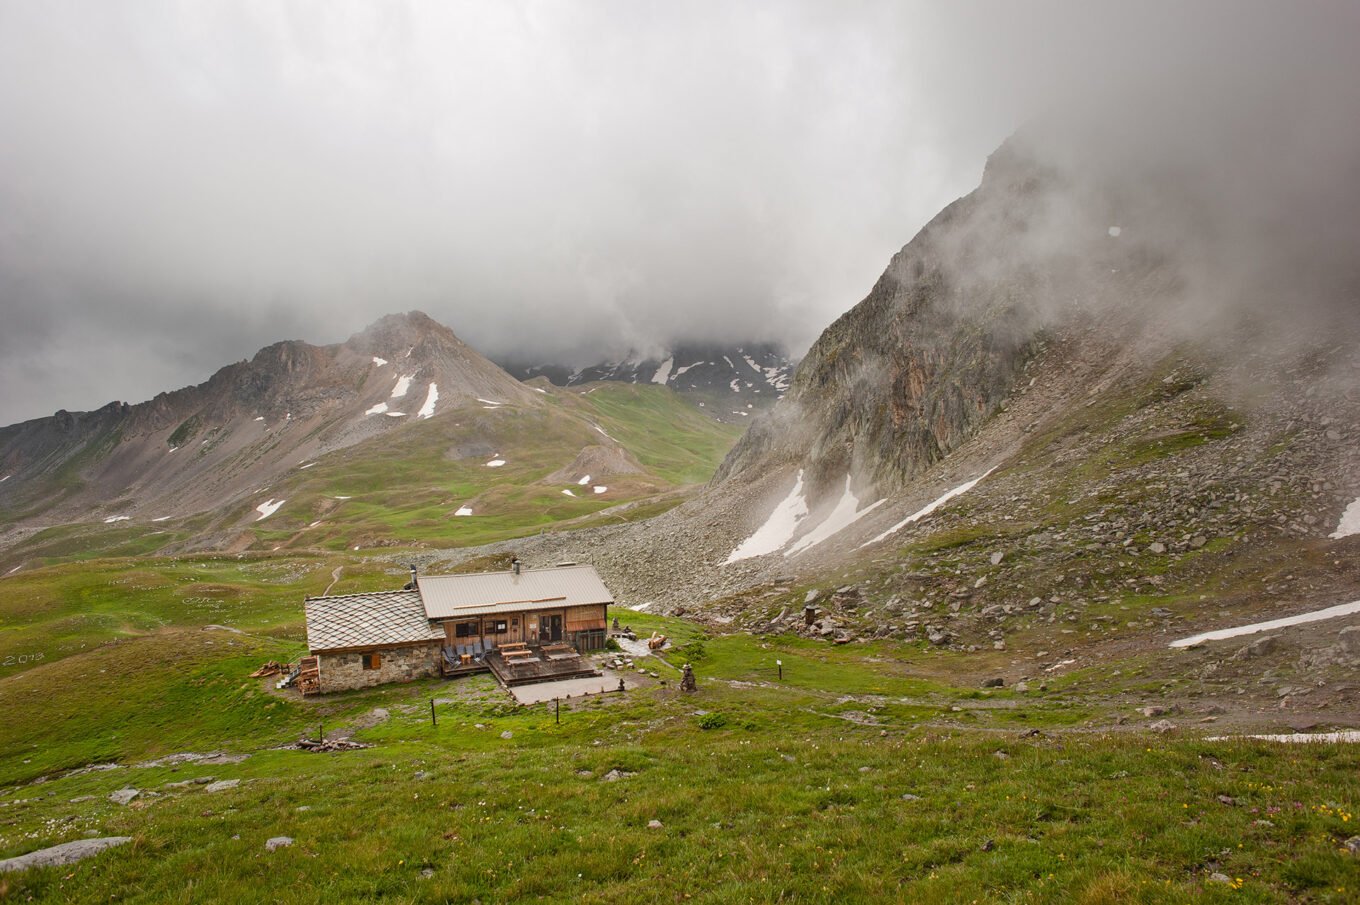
x=268 y=508
x=1331 y=612
x=403 y=384
x=116 y=518
x=379 y=361
x=600 y=488
x=495 y=463
x=431 y=397
x=663 y=373
x=931 y=507
x=1350 y=522
x=845 y=514
x=778 y=529
x=377 y=409
x=464 y=510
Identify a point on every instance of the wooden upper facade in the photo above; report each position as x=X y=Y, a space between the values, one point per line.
x=567 y=604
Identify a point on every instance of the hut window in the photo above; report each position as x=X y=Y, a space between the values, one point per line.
x=465 y=629
x=496 y=627
x=372 y=661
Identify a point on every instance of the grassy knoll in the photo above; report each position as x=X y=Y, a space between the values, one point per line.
x=860 y=776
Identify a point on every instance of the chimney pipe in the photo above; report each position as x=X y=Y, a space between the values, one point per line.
x=411 y=585
x=514 y=565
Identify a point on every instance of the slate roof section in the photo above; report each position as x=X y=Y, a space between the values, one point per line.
x=490 y=593
x=385 y=618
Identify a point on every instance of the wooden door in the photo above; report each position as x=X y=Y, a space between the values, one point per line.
x=549 y=628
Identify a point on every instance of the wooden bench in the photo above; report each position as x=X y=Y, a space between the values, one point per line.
x=515 y=656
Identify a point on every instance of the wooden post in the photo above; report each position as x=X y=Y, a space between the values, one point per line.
x=557 y=710
x=433 y=722
x=780 y=664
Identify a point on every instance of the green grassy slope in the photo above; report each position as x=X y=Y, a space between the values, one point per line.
x=766 y=789
x=403 y=489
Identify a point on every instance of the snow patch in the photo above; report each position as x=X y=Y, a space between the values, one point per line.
x=163 y=518
x=584 y=481
x=268 y=508
x=6 y=478
x=1350 y=522
x=314 y=524
x=344 y=498
x=395 y=414
x=13 y=570
x=259 y=418
x=540 y=390
x=736 y=386
x=603 y=431
x=568 y=492
x=680 y=371
x=489 y=401
x=1331 y=612
x=308 y=465
x=1294 y=738
x=377 y=409
x=1115 y=231
x=495 y=463
x=464 y=510
x=431 y=398
x=845 y=514
x=599 y=488
x=663 y=373
x=403 y=384
x=778 y=529
x=379 y=361
x=931 y=507
x=116 y=518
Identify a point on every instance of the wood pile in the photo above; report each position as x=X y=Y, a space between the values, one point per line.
x=309 y=678
x=272 y=668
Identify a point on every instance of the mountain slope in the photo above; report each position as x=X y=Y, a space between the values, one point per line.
x=401 y=435
x=731 y=382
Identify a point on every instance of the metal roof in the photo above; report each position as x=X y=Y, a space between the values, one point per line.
x=451 y=596
x=368 y=620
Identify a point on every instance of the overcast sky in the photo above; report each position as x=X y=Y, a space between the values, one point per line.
x=182 y=183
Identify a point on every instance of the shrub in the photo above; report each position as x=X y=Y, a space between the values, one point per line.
x=712 y=721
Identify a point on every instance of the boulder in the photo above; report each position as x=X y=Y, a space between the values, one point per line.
x=66 y=853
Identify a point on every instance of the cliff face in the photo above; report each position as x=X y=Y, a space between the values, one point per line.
x=933 y=351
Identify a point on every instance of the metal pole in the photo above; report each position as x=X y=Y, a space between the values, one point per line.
x=433 y=721
x=780 y=664
x=557 y=710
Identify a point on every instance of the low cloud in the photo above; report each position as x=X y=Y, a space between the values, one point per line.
x=182 y=184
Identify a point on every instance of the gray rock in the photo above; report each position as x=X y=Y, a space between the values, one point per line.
x=1157 y=547
x=615 y=774
x=653 y=824
x=996 y=682
x=1219 y=878
x=222 y=785
x=1352 y=845
x=907 y=796
x=997 y=557
x=277 y=843
x=124 y=796
x=507 y=734
x=66 y=853
x=1163 y=726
